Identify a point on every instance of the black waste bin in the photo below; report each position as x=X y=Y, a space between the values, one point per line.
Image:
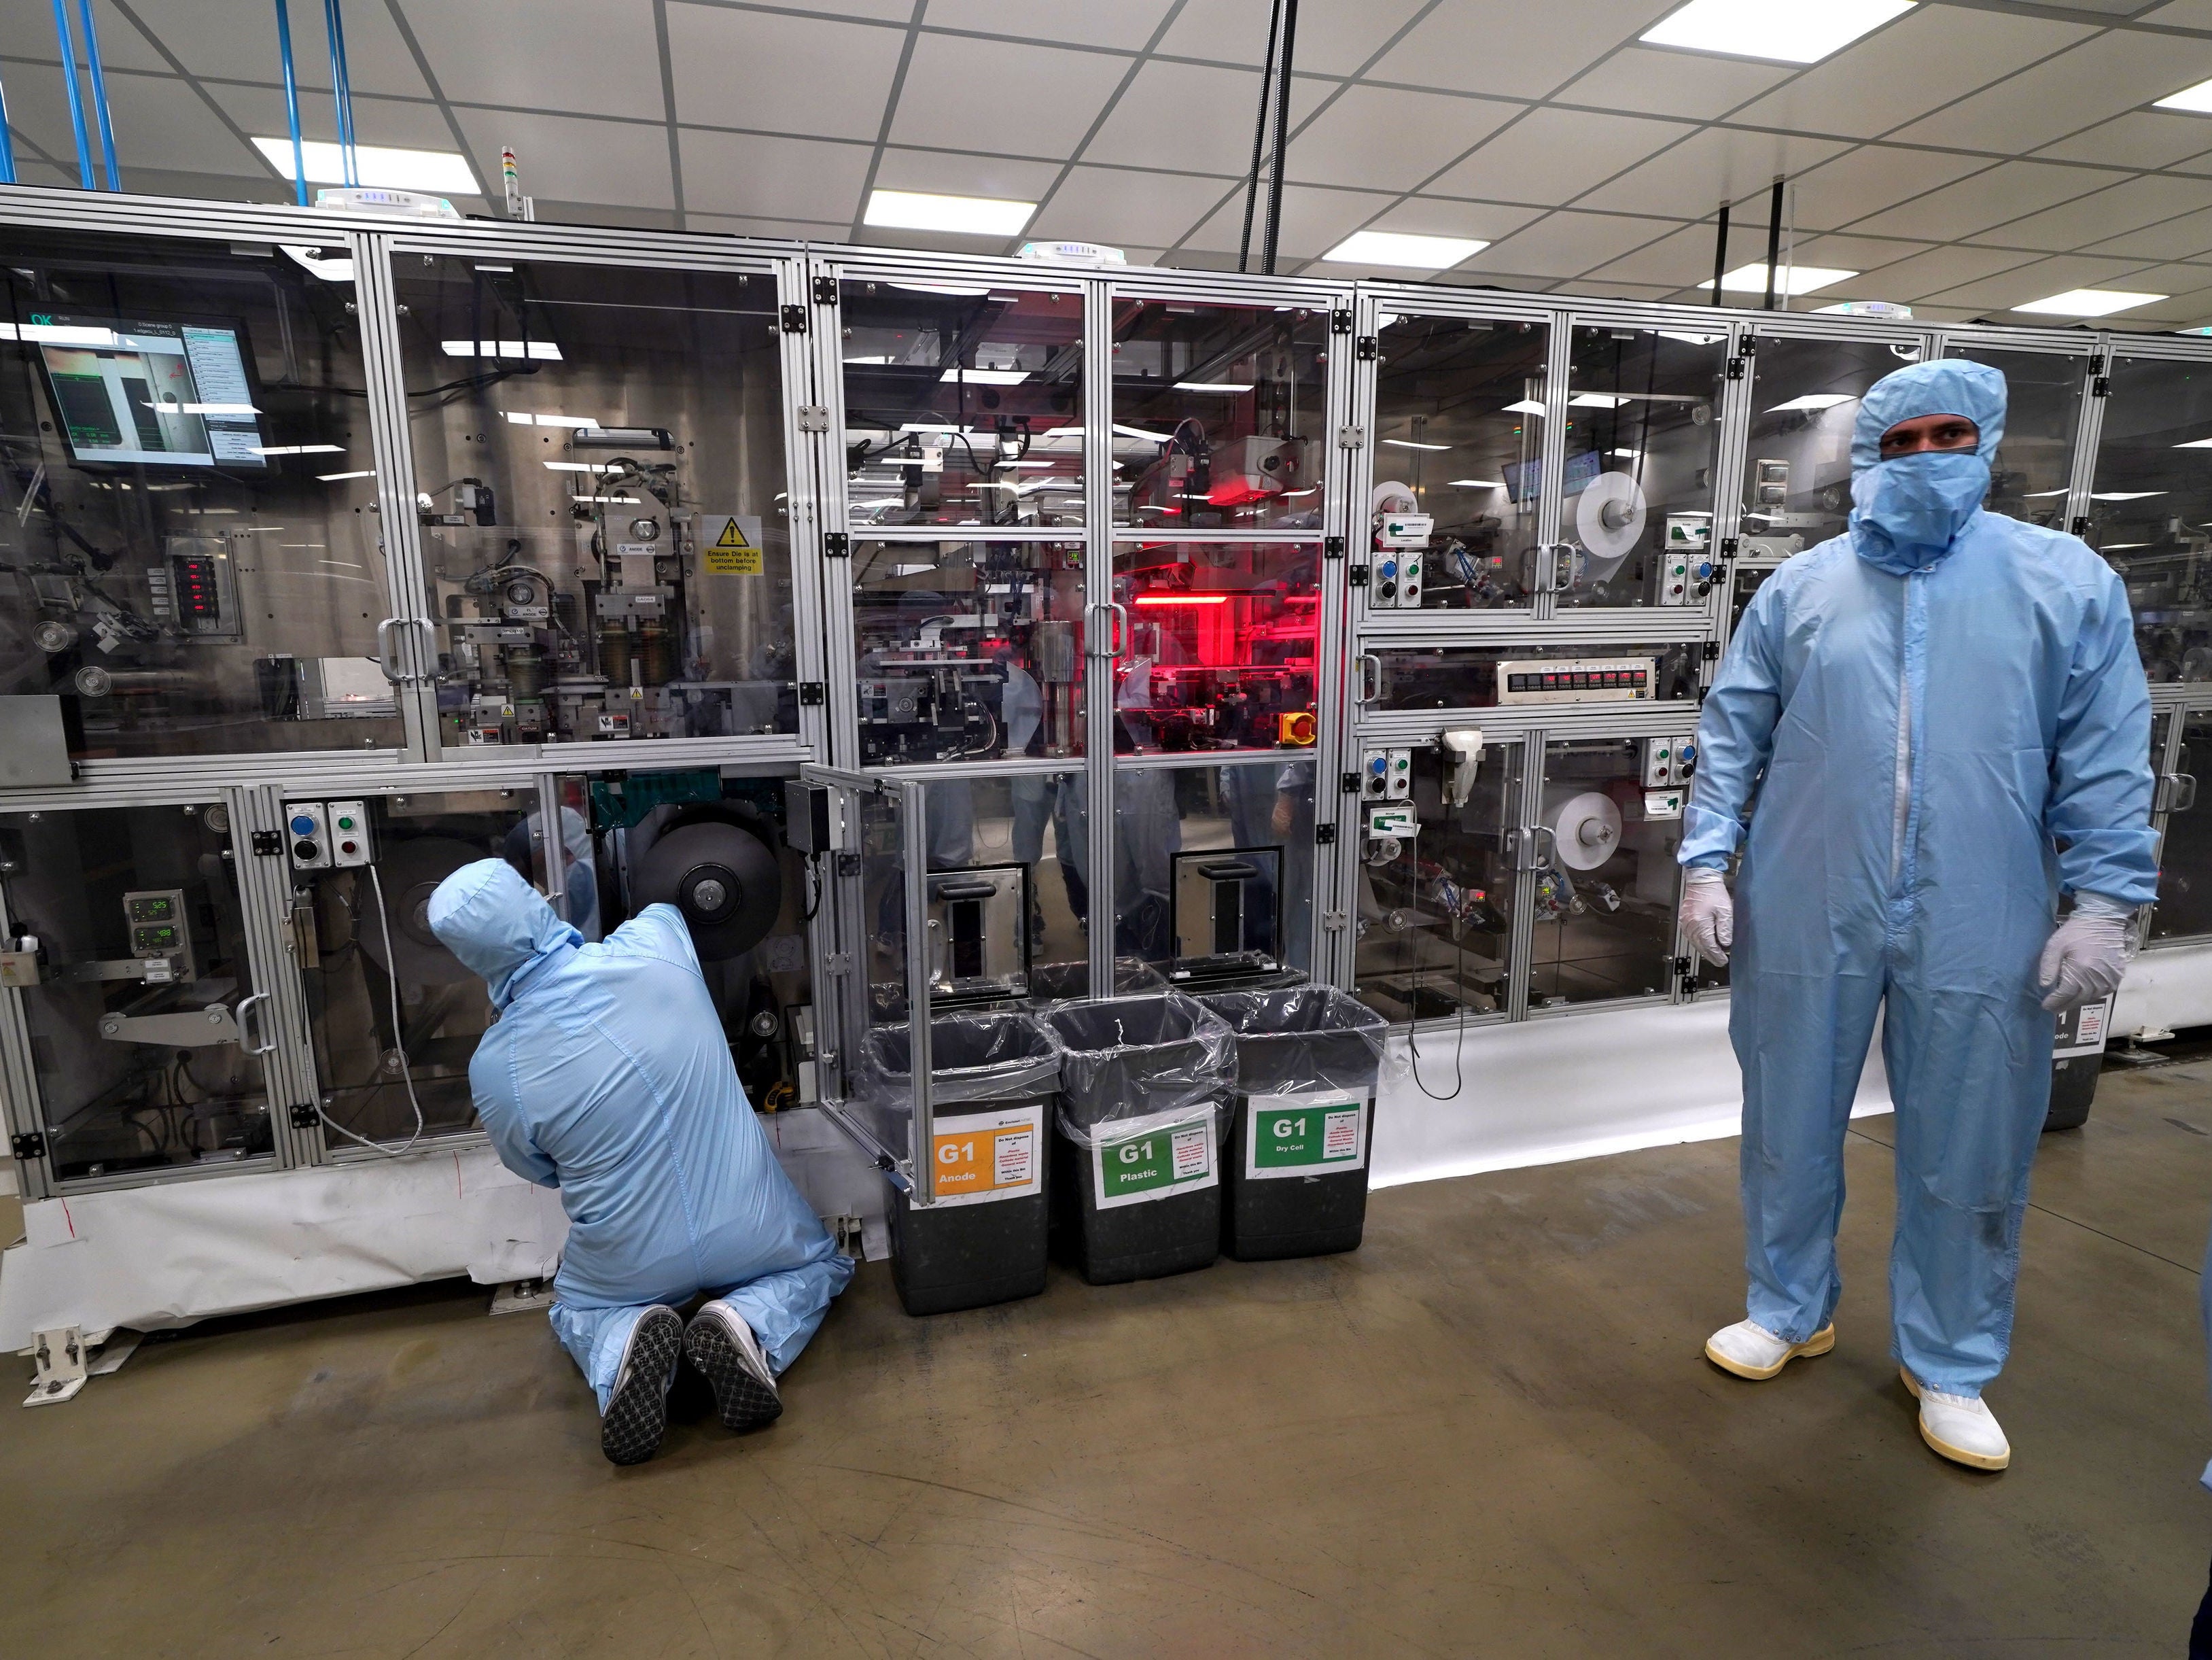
x=1295 y=1168
x=995 y=1083
x=1054 y=982
x=2078 y=1056
x=1145 y=1082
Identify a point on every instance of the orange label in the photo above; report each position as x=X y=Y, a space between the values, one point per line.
x=992 y=1156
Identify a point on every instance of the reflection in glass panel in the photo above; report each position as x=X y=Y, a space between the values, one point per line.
x=1605 y=907
x=606 y=537
x=2028 y=477
x=1007 y=898
x=188 y=548
x=1436 y=907
x=1797 y=473
x=142 y=972
x=1642 y=439
x=1217 y=416
x=2149 y=506
x=963 y=405
x=1482 y=676
x=2185 y=860
x=1214 y=869
x=1459 y=426
x=968 y=650
x=1221 y=638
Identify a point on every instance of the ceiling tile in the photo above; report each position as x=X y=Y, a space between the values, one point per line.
x=2146 y=138
x=2038 y=279
x=1125 y=23
x=736 y=225
x=575 y=159
x=1522 y=50
x=1554 y=155
x=1191 y=118
x=1925 y=59
x=766 y=72
x=1106 y=204
x=1314 y=221
x=161 y=122
x=778 y=178
x=891 y=11
x=1042 y=100
x=2123 y=207
x=121 y=45
x=1425 y=215
x=1871 y=177
x=223 y=38
x=1676 y=262
x=1563 y=245
x=953 y=174
x=472 y=48
x=2078 y=88
x=404 y=124
x=1390 y=140
x=1332 y=39
x=1657 y=82
x=1910 y=280
x=2182 y=13
x=2183 y=238
x=1717 y=164
x=1861 y=254
x=1986 y=199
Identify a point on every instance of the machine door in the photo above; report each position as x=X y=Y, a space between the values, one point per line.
x=133 y=995
x=2031 y=472
x=2184 y=907
x=2148 y=504
x=1797 y=470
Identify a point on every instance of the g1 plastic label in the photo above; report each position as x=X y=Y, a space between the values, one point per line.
x=1156 y=1165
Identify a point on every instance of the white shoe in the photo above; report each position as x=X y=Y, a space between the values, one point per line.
x=1960 y=1428
x=1749 y=1350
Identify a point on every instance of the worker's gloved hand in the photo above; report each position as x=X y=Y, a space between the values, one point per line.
x=1708 y=915
x=2087 y=954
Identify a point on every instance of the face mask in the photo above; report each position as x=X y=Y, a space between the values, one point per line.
x=1906 y=512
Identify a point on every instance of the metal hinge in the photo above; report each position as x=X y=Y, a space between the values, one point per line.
x=2101 y=387
x=1325 y=835
x=813 y=691
x=2082 y=525
x=813 y=417
x=1356 y=574
x=838 y=962
x=28 y=1146
x=1332 y=547
x=1348 y=782
x=1351 y=438
x=1686 y=976
x=268 y=844
x=1712 y=651
x=1335 y=921
x=837 y=545
x=1366 y=347
x=1736 y=368
x=794 y=319
x=1728 y=545
x=1340 y=321
x=303 y=1116
x=825 y=290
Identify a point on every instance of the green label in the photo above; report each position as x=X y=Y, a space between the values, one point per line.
x=1177 y=1158
x=1300 y=1134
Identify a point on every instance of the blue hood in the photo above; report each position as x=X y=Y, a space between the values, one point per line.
x=498 y=925
x=1907 y=512
x=1950 y=385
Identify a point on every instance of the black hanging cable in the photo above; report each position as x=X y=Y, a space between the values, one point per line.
x=1282 y=130
x=1258 y=137
x=1774 y=240
x=1720 y=254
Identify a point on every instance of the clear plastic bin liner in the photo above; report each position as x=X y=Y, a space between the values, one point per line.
x=1298 y=1038
x=1140 y=1059
x=972 y=1057
x=1056 y=982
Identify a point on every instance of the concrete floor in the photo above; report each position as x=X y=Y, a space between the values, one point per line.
x=1489 y=1433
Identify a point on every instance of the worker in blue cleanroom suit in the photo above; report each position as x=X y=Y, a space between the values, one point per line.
x=608 y=1077
x=1944 y=725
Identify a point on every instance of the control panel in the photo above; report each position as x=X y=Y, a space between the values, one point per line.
x=156 y=918
x=327 y=835
x=1669 y=761
x=1576 y=680
x=1386 y=775
x=1401 y=544
x=1687 y=567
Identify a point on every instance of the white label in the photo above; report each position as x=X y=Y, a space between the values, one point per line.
x=1311 y=1132
x=1190 y=1152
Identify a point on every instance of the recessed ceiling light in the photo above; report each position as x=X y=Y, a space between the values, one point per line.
x=575 y=422
x=57 y=334
x=1408 y=444
x=2197 y=99
x=1478 y=484
x=1232 y=387
x=2122 y=496
x=1404 y=249
x=2090 y=302
x=580 y=466
x=2193 y=444
x=1795 y=279
x=334 y=478
x=987 y=377
x=974 y=215
x=542 y=350
x=440 y=171
x=1814 y=400
x=1795 y=32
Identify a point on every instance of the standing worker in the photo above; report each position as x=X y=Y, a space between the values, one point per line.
x=1939 y=712
x=608 y=1077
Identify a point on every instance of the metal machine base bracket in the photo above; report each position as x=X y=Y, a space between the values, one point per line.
x=63 y=1361
x=523 y=1297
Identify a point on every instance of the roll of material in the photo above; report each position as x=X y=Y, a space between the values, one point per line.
x=1587 y=829
x=1609 y=517
x=722 y=878
x=412 y=868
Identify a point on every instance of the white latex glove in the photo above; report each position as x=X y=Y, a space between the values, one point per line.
x=2086 y=953
x=1708 y=915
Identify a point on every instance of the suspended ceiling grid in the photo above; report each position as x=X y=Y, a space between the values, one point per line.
x=1967 y=157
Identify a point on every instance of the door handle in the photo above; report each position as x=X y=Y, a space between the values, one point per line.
x=1369 y=677
x=253 y=1027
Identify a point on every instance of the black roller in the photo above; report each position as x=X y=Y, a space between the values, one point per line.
x=411 y=871
x=722 y=878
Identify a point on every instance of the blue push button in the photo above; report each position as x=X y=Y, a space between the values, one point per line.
x=302 y=825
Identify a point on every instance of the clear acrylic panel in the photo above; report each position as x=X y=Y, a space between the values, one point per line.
x=607 y=534
x=1604 y=906
x=1435 y=909
x=138 y=1040
x=2149 y=505
x=968 y=650
x=1244 y=909
x=1218 y=416
x=1220 y=648
x=1643 y=436
x=1006 y=862
x=189 y=550
x=1459 y=436
x=1486 y=677
x=2029 y=476
x=2183 y=910
x=1797 y=470
x=963 y=405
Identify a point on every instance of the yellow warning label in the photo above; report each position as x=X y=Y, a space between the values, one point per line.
x=729 y=545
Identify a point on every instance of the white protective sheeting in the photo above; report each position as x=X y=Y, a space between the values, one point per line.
x=2166 y=990
x=1545 y=1091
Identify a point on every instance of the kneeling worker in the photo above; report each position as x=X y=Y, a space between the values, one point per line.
x=608 y=1077
x=1938 y=712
